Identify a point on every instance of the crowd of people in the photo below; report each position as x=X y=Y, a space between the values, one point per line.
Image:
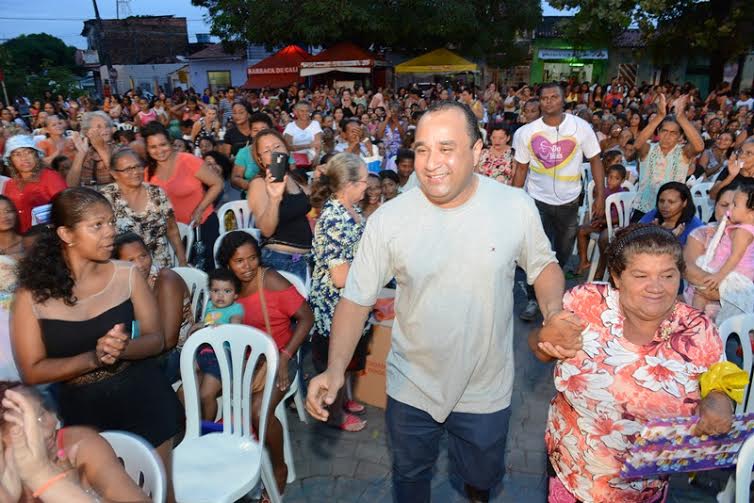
x=351 y=191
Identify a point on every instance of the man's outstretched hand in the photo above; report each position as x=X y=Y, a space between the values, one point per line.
x=321 y=393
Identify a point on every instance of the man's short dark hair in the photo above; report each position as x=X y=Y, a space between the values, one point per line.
x=551 y=85
x=261 y=117
x=472 y=122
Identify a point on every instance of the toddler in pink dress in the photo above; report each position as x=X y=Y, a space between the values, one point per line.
x=730 y=260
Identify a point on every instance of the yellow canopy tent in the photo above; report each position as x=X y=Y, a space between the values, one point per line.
x=437 y=61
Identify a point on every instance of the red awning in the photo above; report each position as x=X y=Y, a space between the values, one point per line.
x=279 y=70
x=341 y=57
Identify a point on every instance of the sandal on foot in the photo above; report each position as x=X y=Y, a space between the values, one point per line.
x=352 y=424
x=354 y=407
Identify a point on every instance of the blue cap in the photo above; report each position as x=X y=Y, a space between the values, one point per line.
x=20 y=141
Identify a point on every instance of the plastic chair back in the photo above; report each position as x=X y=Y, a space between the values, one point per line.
x=197 y=283
x=704 y=208
x=140 y=461
x=237 y=348
x=254 y=232
x=740 y=325
x=187 y=237
x=297 y=282
x=701 y=189
x=622 y=202
x=241 y=214
x=586 y=173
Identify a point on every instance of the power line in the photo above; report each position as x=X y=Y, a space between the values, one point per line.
x=6 y=18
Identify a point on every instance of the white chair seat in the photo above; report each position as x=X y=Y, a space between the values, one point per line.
x=199 y=465
x=225 y=466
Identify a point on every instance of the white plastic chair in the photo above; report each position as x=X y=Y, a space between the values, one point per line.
x=140 y=461
x=740 y=326
x=744 y=466
x=622 y=202
x=241 y=212
x=294 y=391
x=701 y=189
x=197 y=283
x=254 y=232
x=704 y=207
x=222 y=467
x=187 y=237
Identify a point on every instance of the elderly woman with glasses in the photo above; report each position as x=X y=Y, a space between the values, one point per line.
x=31 y=184
x=144 y=209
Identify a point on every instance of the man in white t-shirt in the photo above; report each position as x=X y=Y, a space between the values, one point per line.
x=549 y=154
x=450 y=367
x=304 y=135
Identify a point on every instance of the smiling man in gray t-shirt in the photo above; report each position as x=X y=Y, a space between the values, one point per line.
x=452 y=245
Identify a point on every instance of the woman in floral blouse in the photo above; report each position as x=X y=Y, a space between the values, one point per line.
x=641 y=358
x=143 y=209
x=496 y=161
x=339 y=228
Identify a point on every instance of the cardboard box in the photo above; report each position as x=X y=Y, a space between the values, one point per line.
x=370 y=385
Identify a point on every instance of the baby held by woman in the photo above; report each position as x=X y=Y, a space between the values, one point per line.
x=729 y=260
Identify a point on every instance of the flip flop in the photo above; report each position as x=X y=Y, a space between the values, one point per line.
x=354 y=407
x=352 y=424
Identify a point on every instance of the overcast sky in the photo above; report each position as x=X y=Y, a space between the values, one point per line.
x=65 y=18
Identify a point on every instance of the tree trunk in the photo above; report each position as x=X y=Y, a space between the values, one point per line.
x=737 y=80
x=716 y=68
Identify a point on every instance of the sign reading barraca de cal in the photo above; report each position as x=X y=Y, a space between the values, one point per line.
x=572 y=54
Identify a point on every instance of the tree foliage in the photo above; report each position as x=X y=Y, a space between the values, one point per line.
x=723 y=30
x=38 y=62
x=475 y=28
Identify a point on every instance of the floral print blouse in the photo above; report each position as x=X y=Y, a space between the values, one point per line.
x=151 y=224
x=336 y=237
x=498 y=168
x=611 y=388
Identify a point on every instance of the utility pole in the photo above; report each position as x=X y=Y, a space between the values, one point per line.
x=102 y=52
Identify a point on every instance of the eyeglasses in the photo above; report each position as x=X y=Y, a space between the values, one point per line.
x=130 y=169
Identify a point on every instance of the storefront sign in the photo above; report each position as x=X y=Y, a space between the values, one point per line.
x=272 y=70
x=572 y=54
x=334 y=64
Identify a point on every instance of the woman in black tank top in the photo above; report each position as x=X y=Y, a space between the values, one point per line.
x=280 y=209
x=91 y=325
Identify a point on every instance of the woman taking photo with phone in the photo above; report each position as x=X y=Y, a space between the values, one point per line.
x=279 y=200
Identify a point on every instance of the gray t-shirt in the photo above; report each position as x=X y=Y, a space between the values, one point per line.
x=452 y=339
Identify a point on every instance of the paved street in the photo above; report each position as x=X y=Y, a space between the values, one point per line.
x=334 y=466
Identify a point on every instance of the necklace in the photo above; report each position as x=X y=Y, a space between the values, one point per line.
x=4 y=251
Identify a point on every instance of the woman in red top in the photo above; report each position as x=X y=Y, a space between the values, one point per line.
x=30 y=185
x=190 y=185
x=240 y=253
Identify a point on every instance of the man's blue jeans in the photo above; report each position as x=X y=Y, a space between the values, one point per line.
x=476 y=447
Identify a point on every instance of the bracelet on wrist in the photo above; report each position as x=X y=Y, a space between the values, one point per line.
x=285 y=352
